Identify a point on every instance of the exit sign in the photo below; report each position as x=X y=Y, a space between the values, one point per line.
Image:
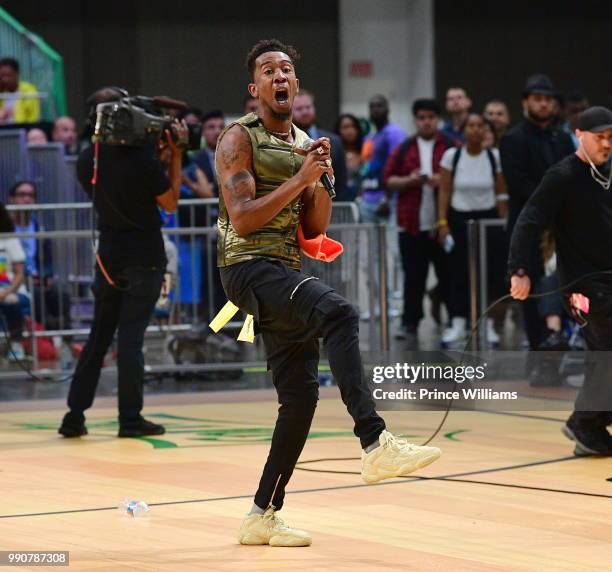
x=361 y=68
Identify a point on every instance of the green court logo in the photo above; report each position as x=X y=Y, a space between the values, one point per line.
x=190 y=432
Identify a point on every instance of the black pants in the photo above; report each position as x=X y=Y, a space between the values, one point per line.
x=551 y=305
x=459 y=261
x=127 y=310
x=593 y=407
x=292 y=310
x=417 y=253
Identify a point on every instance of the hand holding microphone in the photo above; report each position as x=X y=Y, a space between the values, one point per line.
x=317 y=165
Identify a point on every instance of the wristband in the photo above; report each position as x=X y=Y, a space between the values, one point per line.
x=442 y=222
x=502 y=197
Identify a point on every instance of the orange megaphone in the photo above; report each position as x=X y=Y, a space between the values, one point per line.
x=320 y=248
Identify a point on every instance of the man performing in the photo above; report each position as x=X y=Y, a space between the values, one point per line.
x=574 y=201
x=270 y=186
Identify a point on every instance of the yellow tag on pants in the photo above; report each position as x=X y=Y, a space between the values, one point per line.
x=223 y=317
x=247 y=333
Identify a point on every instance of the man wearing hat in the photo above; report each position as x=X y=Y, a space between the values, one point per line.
x=574 y=202
x=527 y=151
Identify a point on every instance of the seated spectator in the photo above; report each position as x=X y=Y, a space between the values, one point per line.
x=471 y=187
x=213 y=123
x=198 y=185
x=458 y=106
x=305 y=117
x=51 y=303
x=22 y=105
x=37 y=136
x=64 y=131
x=496 y=111
x=348 y=127
x=13 y=296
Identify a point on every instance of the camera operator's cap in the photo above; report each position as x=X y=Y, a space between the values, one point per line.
x=595 y=119
x=539 y=83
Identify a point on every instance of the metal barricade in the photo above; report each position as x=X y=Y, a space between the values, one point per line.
x=13 y=159
x=72 y=302
x=482 y=235
x=48 y=170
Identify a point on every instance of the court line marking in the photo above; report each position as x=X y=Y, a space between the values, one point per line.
x=319 y=489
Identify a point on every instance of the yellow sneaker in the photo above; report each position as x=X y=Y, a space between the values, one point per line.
x=267 y=528
x=395 y=457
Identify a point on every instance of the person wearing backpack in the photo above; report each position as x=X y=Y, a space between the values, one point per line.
x=471 y=187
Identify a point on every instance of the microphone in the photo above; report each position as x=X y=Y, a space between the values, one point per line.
x=325 y=180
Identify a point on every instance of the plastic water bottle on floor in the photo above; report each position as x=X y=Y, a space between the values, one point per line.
x=134 y=508
x=66 y=359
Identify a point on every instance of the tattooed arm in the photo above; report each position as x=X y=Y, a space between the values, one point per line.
x=317 y=211
x=234 y=161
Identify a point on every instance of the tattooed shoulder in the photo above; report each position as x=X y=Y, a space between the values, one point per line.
x=235 y=146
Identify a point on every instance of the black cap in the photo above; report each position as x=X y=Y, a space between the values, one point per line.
x=595 y=119
x=539 y=83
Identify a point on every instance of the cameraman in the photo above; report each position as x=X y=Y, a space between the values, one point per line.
x=132 y=182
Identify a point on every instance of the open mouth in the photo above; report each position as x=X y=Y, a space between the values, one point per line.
x=281 y=96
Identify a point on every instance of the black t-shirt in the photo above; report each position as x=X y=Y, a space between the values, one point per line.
x=129 y=179
x=578 y=211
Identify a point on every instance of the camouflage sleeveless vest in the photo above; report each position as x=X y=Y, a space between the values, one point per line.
x=274 y=161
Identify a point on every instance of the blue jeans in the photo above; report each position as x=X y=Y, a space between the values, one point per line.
x=127 y=310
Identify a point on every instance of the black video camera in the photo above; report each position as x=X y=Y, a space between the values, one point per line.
x=140 y=121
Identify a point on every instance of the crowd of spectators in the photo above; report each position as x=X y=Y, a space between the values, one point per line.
x=422 y=181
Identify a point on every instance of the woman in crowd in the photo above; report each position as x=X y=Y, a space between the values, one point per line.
x=350 y=131
x=12 y=290
x=489 y=139
x=471 y=187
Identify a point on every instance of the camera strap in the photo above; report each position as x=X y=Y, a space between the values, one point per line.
x=94 y=182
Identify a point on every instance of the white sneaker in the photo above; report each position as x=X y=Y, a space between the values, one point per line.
x=267 y=528
x=16 y=353
x=456 y=333
x=395 y=457
x=492 y=336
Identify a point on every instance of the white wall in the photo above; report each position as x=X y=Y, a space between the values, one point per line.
x=397 y=36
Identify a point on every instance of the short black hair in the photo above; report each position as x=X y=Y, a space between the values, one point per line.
x=13 y=190
x=215 y=114
x=6 y=223
x=10 y=62
x=272 y=45
x=425 y=104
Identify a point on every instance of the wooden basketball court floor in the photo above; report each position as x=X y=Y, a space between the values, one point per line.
x=507 y=493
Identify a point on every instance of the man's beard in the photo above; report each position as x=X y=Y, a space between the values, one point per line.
x=539 y=119
x=282 y=116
